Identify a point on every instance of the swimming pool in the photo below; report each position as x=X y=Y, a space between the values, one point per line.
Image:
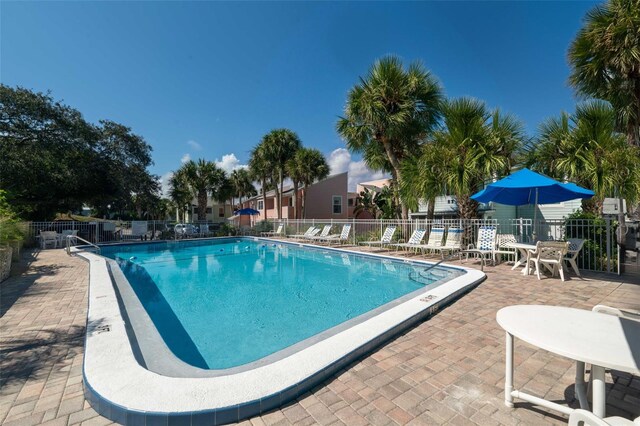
x=213 y=331
x=258 y=298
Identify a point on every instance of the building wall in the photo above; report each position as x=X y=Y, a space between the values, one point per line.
x=319 y=202
x=549 y=211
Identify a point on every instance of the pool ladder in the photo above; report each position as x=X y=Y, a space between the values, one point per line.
x=69 y=237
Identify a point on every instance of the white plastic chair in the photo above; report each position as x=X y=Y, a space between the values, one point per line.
x=486 y=244
x=324 y=233
x=435 y=240
x=384 y=240
x=587 y=418
x=273 y=233
x=453 y=242
x=48 y=238
x=550 y=254
x=307 y=233
x=414 y=240
x=502 y=246
x=575 y=245
x=342 y=237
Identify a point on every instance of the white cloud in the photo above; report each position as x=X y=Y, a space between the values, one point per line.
x=164 y=184
x=185 y=158
x=230 y=163
x=194 y=145
x=340 y=161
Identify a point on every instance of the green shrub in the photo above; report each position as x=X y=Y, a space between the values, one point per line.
x=593 y=230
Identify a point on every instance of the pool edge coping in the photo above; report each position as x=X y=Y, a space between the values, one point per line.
x=122 y=390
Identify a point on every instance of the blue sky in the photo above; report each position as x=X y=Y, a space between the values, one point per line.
x=208 y=79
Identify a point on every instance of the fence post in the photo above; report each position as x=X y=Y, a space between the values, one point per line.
x=608 y=222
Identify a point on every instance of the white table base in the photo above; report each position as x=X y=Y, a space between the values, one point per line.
x=599 y=389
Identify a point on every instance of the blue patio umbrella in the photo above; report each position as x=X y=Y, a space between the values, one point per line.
x=528 y=187
x=247 y=212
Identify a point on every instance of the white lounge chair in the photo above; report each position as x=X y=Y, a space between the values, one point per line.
x=435 y=240
x=550 y=254
x=339 y=238
x=48 y=238
x=273 y=233
x=453 y=242
x=414 y=240
x=324 y=233
x=575 y=245
x=307 y=233
x=384 y=240
x=486 y=244
x=62 y=237
x=581 y=417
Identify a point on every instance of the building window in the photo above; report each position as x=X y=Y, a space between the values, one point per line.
x=350 y=202
x=220 y=211
x=260 y=205
x=337 y=204
x=209 y=211
x=291 y=202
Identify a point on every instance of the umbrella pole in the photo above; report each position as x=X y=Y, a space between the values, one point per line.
x=535 y=215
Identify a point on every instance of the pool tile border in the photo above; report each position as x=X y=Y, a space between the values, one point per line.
x=121 y=377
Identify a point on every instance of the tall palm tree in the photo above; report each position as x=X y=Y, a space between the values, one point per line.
x=586 y=148
x=471 y=146
x=242 y=184
x=202 y=178
x=605 y=61
x=179 y=192
x=389 y=113
x=260 y=170
x=307 y=166
x=423 y=178
x=280 y=145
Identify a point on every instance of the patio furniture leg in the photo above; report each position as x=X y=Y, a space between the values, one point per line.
x=508 y=383
x=561 y=270
x=599 y=391
x=580 y=386
x=573 y=264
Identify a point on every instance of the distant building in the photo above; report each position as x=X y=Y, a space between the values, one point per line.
x=326 y=199
x=216 y=212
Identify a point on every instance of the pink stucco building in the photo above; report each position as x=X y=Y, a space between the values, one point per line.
x=326 y=199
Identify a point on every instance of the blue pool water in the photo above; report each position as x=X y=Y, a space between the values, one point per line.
x=224 y=303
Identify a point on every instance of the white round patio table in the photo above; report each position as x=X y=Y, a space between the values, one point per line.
x=604 y=341
x=523 y=259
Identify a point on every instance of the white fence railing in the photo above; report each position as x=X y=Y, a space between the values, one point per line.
x=600 y=252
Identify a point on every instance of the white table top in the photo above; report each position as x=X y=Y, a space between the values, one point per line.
x=522 y=246
x=595 y=338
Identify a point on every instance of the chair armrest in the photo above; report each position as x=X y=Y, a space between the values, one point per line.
x=622 y=313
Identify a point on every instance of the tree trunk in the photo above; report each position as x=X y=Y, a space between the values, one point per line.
x=431 y=209
x=304 y=202
x=593 y=205
x=467 y=208
x=295 y=200
x=279 y=194
x=264 y=198
x=202 y=205
x=395 y=163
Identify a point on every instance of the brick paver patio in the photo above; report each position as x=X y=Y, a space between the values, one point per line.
x=449 y=369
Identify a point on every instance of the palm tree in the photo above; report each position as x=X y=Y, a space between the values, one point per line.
x=203 y=179
x=280 y=145
x=389 y=113
x=366 y=203
x=586 y=148
x=423 y=178
x=242 y=185
x=179 y=192
x=605 y=61
x=307 y=166
x=260 y=170
x=471 y=146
